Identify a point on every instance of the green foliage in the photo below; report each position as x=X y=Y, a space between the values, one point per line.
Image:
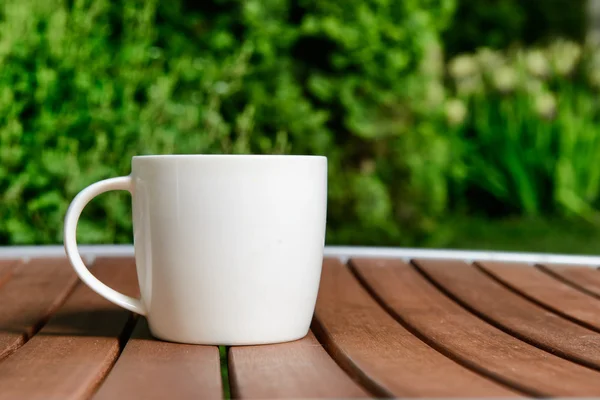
x=501 y=23
x=543 y=235
x=86 y=84
x=526 y=139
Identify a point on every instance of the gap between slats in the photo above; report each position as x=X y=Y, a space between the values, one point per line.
x=568 y=281
x=410 y=297
x=225 y=374
x=465 y=363
x=69 y=321
x=355 y=373
x=517 y=291
x=359 y=365
x=18 y=332
x=123 y=338
x=499 y=325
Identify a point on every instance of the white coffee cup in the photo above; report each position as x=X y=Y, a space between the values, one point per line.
x=228 y=248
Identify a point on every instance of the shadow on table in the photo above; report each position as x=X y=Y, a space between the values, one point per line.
x=107 y=322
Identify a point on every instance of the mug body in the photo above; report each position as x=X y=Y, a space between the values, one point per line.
x=229 y=248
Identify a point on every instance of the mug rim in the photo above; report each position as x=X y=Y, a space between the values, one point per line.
x=236 y=156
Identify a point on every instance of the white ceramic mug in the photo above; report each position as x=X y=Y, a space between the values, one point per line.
x=228 y=248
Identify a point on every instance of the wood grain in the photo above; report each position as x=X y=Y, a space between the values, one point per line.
x=584 y=279
x=7 y=267
x=72 y=353
x=468 y=339
x=28 y=299
x=548 y=292
x=512 y=313
x=380 y=352
x=154 y=369
x=299 y=369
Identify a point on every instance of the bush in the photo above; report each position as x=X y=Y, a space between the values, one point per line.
x=88 y=84
x=500 y=24
x=522 y=127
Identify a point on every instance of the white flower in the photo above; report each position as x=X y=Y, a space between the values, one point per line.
x=593 y=38
x=593 y=69
x=537 y=64
x=565 y=55
x=489 y=60
x=470 y=85
x=505 y=79
x=545 y=104
x=533 y=86
x=456 y=112
x=595 y=60
x=462 y=67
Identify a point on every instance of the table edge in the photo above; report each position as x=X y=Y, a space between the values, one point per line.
x=341 y=252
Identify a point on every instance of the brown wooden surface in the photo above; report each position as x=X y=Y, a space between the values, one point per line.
x=153 y=369
x=464 y=337
x=299 y=369
x=7 y=267
x=582 y=278
x=27 y=300
x=548 y=292
x=382 y=328
x=381 y=353
x=71 y=354
x=513 y=313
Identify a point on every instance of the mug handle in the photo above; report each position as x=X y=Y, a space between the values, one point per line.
x=70 y=241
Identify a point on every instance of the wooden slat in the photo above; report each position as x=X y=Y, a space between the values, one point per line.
x=475 y=343
x=548 y=292
x=584 y=279
x=153 y=369
x=28 y=299
x=70 y=356
x=381 y=353
x=514 y=314
x=7 y=267
x=299 y=369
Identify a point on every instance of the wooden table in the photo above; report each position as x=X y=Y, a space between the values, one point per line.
x=382 y=328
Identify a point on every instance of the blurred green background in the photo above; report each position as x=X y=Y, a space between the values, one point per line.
x=447 y=123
